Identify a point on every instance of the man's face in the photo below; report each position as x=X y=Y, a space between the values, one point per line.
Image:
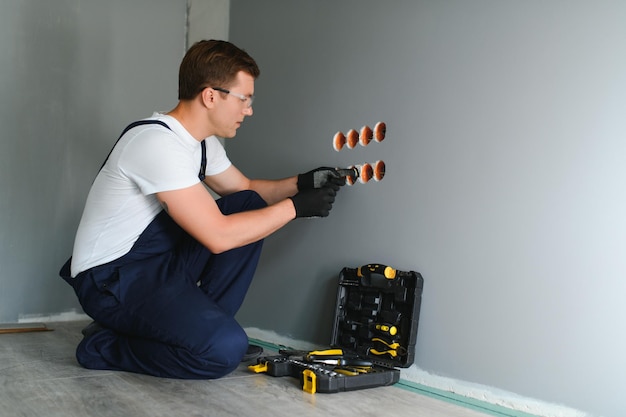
x=231 y=109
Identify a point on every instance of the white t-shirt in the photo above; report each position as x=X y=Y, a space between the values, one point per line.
x=148 y=159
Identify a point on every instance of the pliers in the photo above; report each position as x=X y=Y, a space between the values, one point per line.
x=392 y=349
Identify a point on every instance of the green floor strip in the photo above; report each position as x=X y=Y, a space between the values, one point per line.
x=449 y=397
x=265 y=345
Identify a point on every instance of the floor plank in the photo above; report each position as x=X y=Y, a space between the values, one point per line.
x=39 y=376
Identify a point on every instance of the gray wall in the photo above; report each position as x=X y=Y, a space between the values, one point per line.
x=505 y=186
x=73 y=73
x=505 y=159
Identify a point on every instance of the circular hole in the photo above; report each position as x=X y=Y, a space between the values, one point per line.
x=367 y=172
x=379 y=170
x=352 y=138
x=366 y=135
x=380 y=130
x=338 y=141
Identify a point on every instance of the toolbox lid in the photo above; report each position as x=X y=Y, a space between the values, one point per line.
x=377 y=314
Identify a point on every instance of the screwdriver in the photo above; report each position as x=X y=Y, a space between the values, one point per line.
x=387 y=329
x=344 y=362
x=384 y=270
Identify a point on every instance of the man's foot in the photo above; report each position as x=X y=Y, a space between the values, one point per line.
x=253 y=352
x=91 y=329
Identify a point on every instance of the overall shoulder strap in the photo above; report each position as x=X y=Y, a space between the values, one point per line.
x=202 y=173
x=132 y=125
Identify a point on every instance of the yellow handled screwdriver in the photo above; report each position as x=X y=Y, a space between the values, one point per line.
x=387 y=329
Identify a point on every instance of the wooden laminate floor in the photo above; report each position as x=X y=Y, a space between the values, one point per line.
x=40 y=377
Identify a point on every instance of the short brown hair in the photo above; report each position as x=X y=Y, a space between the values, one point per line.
x=212 y=63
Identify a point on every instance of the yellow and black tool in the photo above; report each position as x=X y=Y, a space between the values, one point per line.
x=392 y=349
x=373 y=335
x=324 y=355
x=353 y=172
x=343 y=362
x=384 y=270
x=308 y=354
x=386 y=328
x=352 y=370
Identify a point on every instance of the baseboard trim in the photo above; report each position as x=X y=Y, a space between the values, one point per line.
x=449 y=397
x=455 y=395
x=72 y=315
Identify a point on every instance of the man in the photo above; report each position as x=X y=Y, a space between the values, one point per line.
x=158 y=263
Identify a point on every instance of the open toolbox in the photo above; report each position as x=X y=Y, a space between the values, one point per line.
x=374 y=332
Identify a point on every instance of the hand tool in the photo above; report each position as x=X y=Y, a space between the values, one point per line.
x=393 y=349
x=312 y=353
x=390 y=345
x=346 y=371
x=353 y=370
x=391 y=352
x=343 y=362
x=326 y=354
x=293 y=352
x=386 y=271
x=387 y=328
x=348 y=172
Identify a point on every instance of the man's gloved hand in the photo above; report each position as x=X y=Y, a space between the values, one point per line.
x=314 y=202
x=320 y=177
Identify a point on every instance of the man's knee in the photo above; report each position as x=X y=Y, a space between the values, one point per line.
x=241 y=201
x=226 y=349
x=255 y=200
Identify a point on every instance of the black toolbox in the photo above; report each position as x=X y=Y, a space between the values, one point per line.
x=374 y=333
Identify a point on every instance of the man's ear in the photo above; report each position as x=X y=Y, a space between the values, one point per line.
x=208 y=97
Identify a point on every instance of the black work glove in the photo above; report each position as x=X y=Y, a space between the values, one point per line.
x=320 y=177
x=314 y=202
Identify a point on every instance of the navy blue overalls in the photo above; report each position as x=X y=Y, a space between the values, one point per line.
x=168 y=306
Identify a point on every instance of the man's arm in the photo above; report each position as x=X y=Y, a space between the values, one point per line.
x=275 y=190
x=232 y=180
x=195 y=210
